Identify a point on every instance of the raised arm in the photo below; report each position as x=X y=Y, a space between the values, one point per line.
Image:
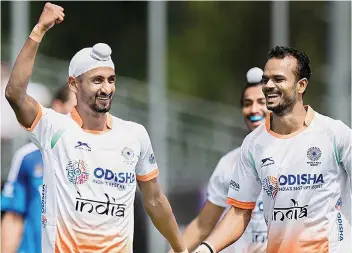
x=24 y=106
x=159 y=210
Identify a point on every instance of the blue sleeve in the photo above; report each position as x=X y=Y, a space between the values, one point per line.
x=14 y=194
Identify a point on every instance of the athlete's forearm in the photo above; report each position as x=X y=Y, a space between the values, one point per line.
x=11 y=232
x=159 y=210
x=230 y=228
x=195 y=233
x=16 y=89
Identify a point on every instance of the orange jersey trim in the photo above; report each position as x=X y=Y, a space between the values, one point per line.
x=76 y=117
x=37 y=118
x=308 y=119
x=149 y=176
x=240 y=204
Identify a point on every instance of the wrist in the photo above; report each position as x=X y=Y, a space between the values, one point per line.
x=208 y=246
x=37 y=33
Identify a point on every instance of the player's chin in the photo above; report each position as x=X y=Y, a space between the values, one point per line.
x=254 y=125
x=102 y=108
x=272 y=106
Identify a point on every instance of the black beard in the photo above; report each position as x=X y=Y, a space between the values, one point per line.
x=99 y=109
x=283 y=108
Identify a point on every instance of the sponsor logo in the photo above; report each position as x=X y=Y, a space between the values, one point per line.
x=267 y=161
x=44 y=194
x=108 y=207
x=339 y=226
x=270 y=186
x=152 y=159
x=110 y=178
x=44 y=221
x=234 y=185
x=300 y=182
x=292 y=213
x=83 y=146
x=77 y=172
x=259 y=236
x=338 y=204
x=314 y=155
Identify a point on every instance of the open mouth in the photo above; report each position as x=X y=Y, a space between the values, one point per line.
x=272 y=96
x=103 y=98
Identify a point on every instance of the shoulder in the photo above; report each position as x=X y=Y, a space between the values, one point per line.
x=230 y=157
x=334 y=128
x=129 y=126
x=25 y=151
x=21 y=155
x=253 y=138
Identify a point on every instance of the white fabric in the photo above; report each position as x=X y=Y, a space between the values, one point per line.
x=90 y=182
x=306 y=180
x=90 y=58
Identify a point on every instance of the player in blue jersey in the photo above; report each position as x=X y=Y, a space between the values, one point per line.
x=21 y=196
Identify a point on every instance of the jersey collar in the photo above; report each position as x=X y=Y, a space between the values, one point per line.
x=307 y=121
x=75 y=116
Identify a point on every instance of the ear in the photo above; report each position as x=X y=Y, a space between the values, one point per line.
x=302 y=85
x=73 y=84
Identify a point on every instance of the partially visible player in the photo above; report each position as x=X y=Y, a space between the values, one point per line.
x=302 y=160
x=254 y=110
x=93 y=161
x=20 y=200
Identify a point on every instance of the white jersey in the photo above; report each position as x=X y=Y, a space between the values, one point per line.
x=306 y=177
x=254 y=238
x=90 y=181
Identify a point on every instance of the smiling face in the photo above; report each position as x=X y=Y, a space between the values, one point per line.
x=95 y=88
x=254 y=107
x=281 y=88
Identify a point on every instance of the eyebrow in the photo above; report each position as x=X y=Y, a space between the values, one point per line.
x=274 y=76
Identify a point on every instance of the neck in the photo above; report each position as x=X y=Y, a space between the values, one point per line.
x=291 y=122
x=92 y=120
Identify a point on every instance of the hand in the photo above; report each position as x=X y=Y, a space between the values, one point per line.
x=51 y=14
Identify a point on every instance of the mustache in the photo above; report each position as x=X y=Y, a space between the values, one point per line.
x=104 y=95
x=271 y=91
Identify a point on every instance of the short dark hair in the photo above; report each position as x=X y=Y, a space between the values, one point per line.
x=303 y=62
x=248 y=85
x=63 y=94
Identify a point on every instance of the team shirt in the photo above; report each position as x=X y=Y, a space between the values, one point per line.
x=90 y=181
x=306 y=178
x=254 y=238
x=21 y=195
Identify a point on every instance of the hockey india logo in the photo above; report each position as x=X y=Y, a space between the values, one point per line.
x=77 y=172
x=314 y=154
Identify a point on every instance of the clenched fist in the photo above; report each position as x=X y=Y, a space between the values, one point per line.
x=51 y=14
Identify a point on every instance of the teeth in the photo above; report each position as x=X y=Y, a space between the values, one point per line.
x=272 y=95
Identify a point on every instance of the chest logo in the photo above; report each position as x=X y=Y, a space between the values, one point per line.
x=83 y=146
x=267 y=161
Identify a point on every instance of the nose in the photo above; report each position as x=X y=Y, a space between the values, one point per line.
x=255 y=108
x=268 y=84
x=106 y=87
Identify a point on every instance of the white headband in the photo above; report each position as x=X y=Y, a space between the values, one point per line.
x=90 y=58
x=254 y=75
